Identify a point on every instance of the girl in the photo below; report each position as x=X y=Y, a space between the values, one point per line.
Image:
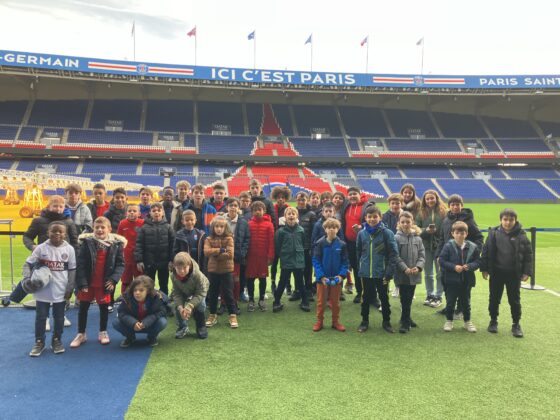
x=409 y=264
x=218 y=247
x=411 y=202
x=307 y=219
x=141 y=311
x=429 y=220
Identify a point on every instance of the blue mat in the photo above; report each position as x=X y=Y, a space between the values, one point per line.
x=93 y=381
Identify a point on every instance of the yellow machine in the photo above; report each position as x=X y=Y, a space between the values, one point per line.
x=11 y=197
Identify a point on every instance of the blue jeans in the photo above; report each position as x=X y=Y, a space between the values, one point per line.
x=152 y=331
x=41 y=315
x=429 y=275
x=181 y=323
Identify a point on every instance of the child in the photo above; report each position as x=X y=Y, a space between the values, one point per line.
x=146 y=197
x=409 y=264
x=257 y=194
x=128 y=228
x=260 y=254
x=142 y=311
x=245 y=205
x=459 y=259
x=325 y=197
x=218 y=247
x=307 y=219
x=117 y=209
x=410 y=201
x=204 y=212
x=376 y=251
x=507 y=257
x=100 y=266
x=169 y=206
x=315 y=203
x=58 y=259
x=330 y=260
x=190 y=239
x=218 y=199
x=281 y=195
x=154 y=247
x=289 y=245
x=245 y=208
x=190 y=287
x=391 y=219
x=183 y=188
x=319 y=230
x=99 y=205
x=429 y=219
x=80 y=213
x=339 y=201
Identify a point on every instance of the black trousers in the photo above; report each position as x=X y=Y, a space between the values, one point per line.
x=285 y=275
x=83 y=313
x=307 y=271
x=162 y=270
x=274 y=268
x=251 y=288
x=406 y=294
x=242 y=278
x=352 y=258
x=458 y=293
x=509 y=280
x=224 y=280
x=370 y=287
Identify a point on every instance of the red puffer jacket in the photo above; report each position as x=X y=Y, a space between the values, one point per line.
x=261 y=247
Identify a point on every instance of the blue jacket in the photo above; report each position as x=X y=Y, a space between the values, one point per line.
x=451 y=255
x=191 y=242
x=391 y=220
x=208 y=213
x=377 y=253
x=318 y=232
x=330 y=259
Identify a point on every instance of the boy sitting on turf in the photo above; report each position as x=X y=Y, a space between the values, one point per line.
x=507 y=257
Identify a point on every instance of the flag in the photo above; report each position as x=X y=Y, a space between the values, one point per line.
x=309 y=40
x=364 y=41
x=133 y=28
x=420 y=41
x=192 y=32
x=251 y=36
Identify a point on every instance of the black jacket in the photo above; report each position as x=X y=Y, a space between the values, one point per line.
x=307 y=219
x=40 y=225
x=87 y=256
x=268 y=204
x=154 y=243
x=451 y=255
x=115 y=216
x=191 y=242
x=241 y=238
x=465 y=215
x=128 y=310
x=521 y=248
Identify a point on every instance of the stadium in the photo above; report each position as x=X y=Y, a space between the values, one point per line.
x=491 y=139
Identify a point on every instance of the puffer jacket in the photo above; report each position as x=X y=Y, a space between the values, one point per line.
x=330 y=259
x=521 y=247
x=465 y=215
x=411 y=254
x=268 y=204
x=115 y=216
x=192 y=291
x=82 y=217
x=40 y=225
x=289 y=244
x=154 y=308
x=307 y=219
x=376 y=253
x=219 y=251
x=451 y=255
x=261 y=246
x=154 y=244
x=431 y=241
x=241 y=238
x=87 y=256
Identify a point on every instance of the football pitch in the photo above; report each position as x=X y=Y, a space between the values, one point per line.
x=274 y=366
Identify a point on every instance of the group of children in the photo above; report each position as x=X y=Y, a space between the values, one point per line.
x=215 y=250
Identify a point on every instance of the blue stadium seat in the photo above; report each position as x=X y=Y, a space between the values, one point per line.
x=226 y=113
x=59 y=113
x=363 y=122
x=459 y=125
x=63 y=166
x=334 y=147
x=27 y=133
x=8 y=132
x=152 y=168
x=254 y=118
x=128 y=111
x=420 y=185
x=315 y=116
x=426 y=172
x=469 y=189
x=554 y=184
x=226 y=145
x=109 y=167
x=372 y=186
x=525 y=145
x=11 y=112
x=392 y=172
x=532 y=173
x=132 y=138
x=509 y=128
x=425 y=145
x=404 y=120
x=522 y=190
x=170 y=116
x=140 y=179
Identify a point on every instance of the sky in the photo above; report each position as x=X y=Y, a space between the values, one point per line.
x=491 y=37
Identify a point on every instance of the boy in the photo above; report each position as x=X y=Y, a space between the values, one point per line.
x=154 y=246
x=80 y=213
x=330 y=260
x=190 y=239
x=257 y=194
x=100 y=265
x=99 y=205
x=241 y=236
x=169 y=205
x=245 y=205
x=128 y=228
x=117 y=209
x=58 y=261
x=190 y=287
x=507 y=257
x=459 y=259
x=376 y=251
x=307 y=219
x=245 y=209
x=391 y=216
x=326 y=197
x=281 y=195
x=319 y=230
x=146 y=197
x=204 y=212
x=183 y=188
x=315 y=203
x=218 y=199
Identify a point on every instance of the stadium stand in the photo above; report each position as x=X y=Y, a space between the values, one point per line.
x=427 y=172
x=436 y=145
x=282 y=115
x=11 y=112
x=212 y=169
x=254 y=117
x=221 y=113
x=27 y=133
x=532 y=173
x=61 y=166
x=127 y=111
x=225 y=145
x=372 y=186
x=392 y=172
x=174 y=179
x=132 y=138
x=309 y=117
x=363 y=122
x=459 y=125
x=554 y=184
x=170 y=116
x=490 y=145
x=58 y=113
x=405 y=122
x=548 y=127
x=110 y=167
x=509 y=128
x=8 y=132
x=472 y=189
x=330 y=171
x=522 y=190
x=421 y=185
x=353 y=143
x=526 y=145
x=155 y=180
x=325 y=147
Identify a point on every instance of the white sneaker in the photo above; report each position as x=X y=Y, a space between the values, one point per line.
x=448 y=326
x=395 y=293
x=103 y=337
x=469 y=326
x=78 y=340
x=48 y=325
x=266 y=296
x=67 y=322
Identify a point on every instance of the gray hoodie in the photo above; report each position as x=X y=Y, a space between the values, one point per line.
x=411 y=254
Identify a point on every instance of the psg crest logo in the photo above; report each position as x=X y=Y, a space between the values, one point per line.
x=142 y=68
x=418 y=80
x=64 y=257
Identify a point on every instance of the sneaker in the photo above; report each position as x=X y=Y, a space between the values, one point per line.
x=6 y=301
x=428 y=300
x=103 y=337
x=516 y=330
x=233 y=321
x=349 y=288
x=111 y=308
x=262 y=305
x=127 y=342
x=289 y=290
x=304 y=307
x=448 y=326
x=48 y=325
x=212 y=320
x=251 y=306
x=339 y=327
x=458 y=316
x=243 y=297
x=295 y=297
x=181 y=332
x=388 y=327
x=80 y=339
x=363 y=327
x=57 y=346
x=404 y=328
x=395 y=292
x=357 y=299
x=37 y=348
x=152 y=342
x=266 y=296
x=492 y=327
x=318 y=326
x=469 y=326
x=436 y=302
x=221 y=309
x=67 y=322
x=277 y=307
x=310 y=297
x=413 y=324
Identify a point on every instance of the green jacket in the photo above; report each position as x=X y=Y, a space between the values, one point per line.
x=430 y=241
x=289 y=244
x=192 y=291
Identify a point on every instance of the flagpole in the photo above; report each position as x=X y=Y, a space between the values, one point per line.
x=195 y=38
x=422 y=63
x=311 y=54
x=134 y=40
x=367 y=55
x=255 y=52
